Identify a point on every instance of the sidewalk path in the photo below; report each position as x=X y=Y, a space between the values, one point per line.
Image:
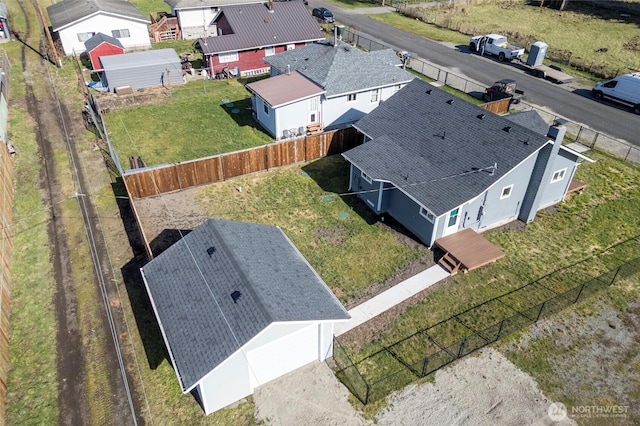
x=391 y=297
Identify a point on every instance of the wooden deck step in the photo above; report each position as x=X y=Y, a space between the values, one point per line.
x=449 y=263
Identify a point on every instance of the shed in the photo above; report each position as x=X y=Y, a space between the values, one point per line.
x=102 y=45
x=139 y=70
x=238 y=306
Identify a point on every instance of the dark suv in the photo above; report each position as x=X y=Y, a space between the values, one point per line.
x=323 y=14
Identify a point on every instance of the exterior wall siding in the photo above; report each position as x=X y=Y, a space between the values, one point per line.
x=104 y=49
x=554 y=192
x=249 y=61
x=268 y=121
x=195 y=23
x=138 y=33
x=407 y=212
x=139 y=77
x=292 y=117
x=368 y=192
x=337 y=110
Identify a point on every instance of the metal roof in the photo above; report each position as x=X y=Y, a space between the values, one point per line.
x=284 y=89
x=100 y=38
x=439 y=149
x=222 y=284
x=202 y=4
x=69 y=11
x=3 y=10
x=340 y=68
x=139 y=59
x=255 y=26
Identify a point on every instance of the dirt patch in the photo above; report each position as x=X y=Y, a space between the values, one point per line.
x=480 y=390
x=150 y=96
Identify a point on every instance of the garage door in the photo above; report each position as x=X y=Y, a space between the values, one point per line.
x=286 y=354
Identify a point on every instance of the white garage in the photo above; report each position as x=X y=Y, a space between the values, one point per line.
x=238 y=305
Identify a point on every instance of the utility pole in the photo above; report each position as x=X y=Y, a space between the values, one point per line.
x=52 y=46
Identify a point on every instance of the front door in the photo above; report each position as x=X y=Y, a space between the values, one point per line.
x=451 y=225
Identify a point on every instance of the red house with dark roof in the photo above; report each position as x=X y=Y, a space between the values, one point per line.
x=102 y=45
x=247 y=33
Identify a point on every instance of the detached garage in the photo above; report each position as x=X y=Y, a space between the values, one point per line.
x=139 y=70
x=238 y=305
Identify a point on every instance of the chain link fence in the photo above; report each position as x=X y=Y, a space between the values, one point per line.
x=428 y=350
x=580 y=133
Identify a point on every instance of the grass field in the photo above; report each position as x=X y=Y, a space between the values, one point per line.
x=197 y=121
x=596 y=40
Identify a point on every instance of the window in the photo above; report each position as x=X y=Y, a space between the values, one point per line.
x=453 y=217
x=85 y=36
x=265 y=108
x=351 y=97
x=312 y=117
x=120 y=33
x=506 y=192
x=365 y=177
x=558 y=175
x=269 y=51
x=375 y=95
x=427 y=214
x=610 y=84
x=228 y=57
x=291 y=46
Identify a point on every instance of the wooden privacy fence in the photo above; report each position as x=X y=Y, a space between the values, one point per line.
x=173 y=177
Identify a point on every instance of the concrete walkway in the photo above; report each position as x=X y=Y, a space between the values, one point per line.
x=391 y=297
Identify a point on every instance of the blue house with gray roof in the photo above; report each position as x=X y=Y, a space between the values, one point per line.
x=238 y=305
x=438 y=164
x=349 y=84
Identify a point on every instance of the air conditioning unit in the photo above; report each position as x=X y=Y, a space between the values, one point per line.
x=286 y=133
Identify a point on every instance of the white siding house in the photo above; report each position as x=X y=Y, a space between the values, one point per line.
x=353 y=83
x=238 y=306
x=76 y=21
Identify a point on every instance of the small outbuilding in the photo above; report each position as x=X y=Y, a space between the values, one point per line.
x=238 y=306
x=102 y=45
x=139 y=70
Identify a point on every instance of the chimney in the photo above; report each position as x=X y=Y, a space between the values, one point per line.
x=557 y=132
x=271 y=6
x=288 y=69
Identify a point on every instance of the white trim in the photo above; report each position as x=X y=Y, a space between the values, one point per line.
x=224 y=58
x=371 y=203
x=427 y=214
x=509 y=189
x=558 y=175
x=269 y=51
x=348 y=97
x=366 y=177
x=380 y=191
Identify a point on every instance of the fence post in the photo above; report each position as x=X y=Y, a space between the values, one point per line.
x=540 y=312
x=461 y=347
x=499 y=330
x=579 y=293
x=366 y=397
x=425 y=361
x=615 y=275
x=626 y=157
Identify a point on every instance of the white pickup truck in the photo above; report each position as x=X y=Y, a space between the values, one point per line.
x=495 y=44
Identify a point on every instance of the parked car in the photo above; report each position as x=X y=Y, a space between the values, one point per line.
x=624 y=89
x=323 y=14
x=495 y=44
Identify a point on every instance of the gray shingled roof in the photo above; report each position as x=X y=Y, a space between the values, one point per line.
x=340 y=69
x=201 y=4
x=254 y=26
x=69 y=11
x=531 y=120
x=100 y=38
x=190 y=285
x=431 y=145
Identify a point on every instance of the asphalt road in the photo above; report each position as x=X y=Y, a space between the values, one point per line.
x=568 y=101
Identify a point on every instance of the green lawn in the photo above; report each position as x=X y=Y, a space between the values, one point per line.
x=194 y=122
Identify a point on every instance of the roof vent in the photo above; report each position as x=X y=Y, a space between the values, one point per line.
x=429 y=91
x=507 y=129
x=480 y=116
x=211 y=250
x=450 y=101
x=235 y=296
